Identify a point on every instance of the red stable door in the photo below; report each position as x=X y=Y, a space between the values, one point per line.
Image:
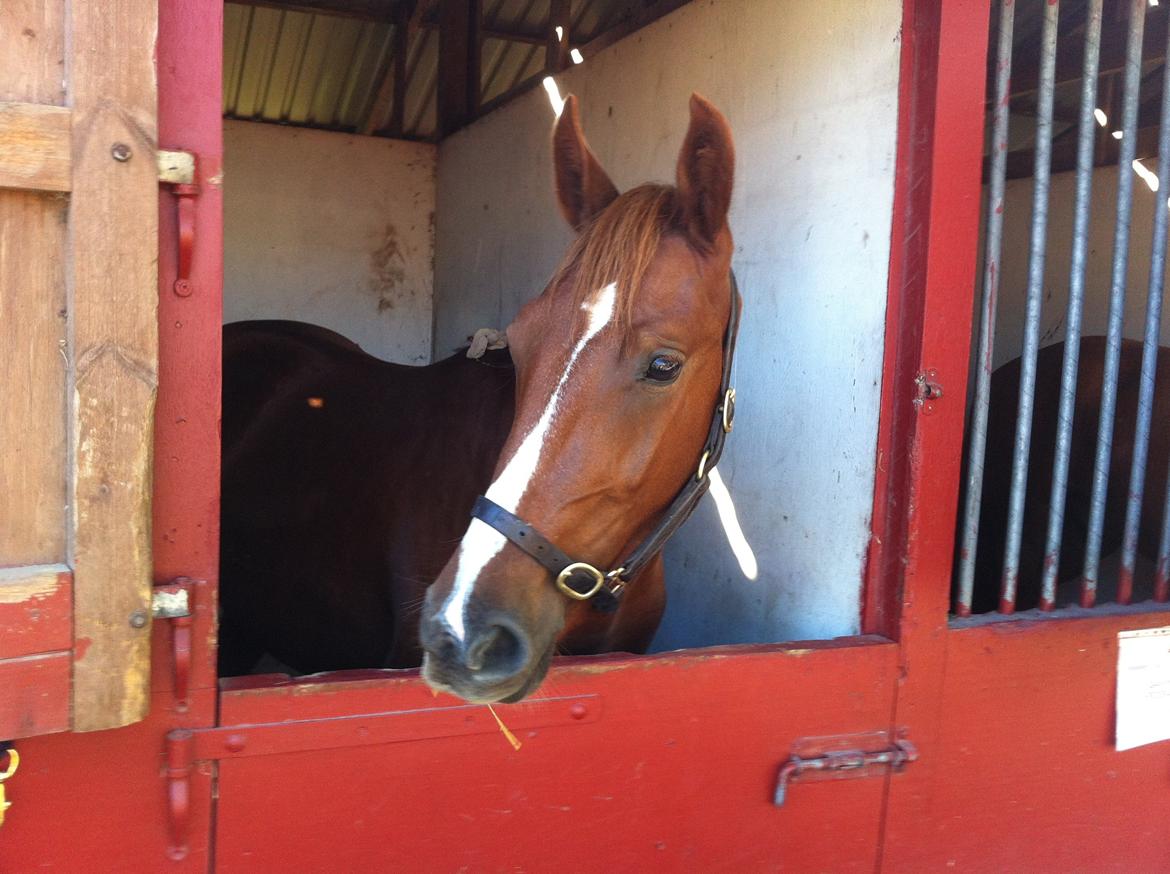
x=101 y=801
x=1013 y=718
x=670 y=762
x=667 y=762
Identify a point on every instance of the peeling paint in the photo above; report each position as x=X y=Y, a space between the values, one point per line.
x=21 y=584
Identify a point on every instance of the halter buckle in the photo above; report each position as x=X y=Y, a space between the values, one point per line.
x=583 y=567
x=728 y=410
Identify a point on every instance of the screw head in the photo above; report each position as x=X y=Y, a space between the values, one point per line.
x=138 y=619
x=121 y=152
x=578 y=711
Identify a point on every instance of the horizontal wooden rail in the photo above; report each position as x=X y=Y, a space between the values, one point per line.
x=35 y=147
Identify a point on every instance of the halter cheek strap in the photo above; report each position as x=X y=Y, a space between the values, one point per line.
x=580 y=580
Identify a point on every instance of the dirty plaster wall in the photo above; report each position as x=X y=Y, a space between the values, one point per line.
x=331 y=229
x=1009 y=338
x=810 y=90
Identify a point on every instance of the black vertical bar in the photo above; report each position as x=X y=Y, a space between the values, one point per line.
x=458 y=46
x=557 y=53
x=401 y=47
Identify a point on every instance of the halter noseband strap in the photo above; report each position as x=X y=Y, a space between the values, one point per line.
x=580 y=580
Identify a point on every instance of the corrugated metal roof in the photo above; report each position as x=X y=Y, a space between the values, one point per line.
x=307 y=69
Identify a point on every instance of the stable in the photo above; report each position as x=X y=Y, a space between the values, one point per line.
x=816 y=696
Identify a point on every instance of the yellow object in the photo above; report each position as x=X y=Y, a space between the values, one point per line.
x=512 y=739
x=13 y=764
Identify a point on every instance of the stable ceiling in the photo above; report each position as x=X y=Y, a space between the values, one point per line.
x=412 y=69
x=1025 y=75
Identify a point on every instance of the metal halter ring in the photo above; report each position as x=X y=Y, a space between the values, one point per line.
x=728 y=410
x=589 y=570
x=703 y=464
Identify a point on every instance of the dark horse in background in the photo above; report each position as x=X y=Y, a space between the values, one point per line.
x=347 y=481
x=1001 y=430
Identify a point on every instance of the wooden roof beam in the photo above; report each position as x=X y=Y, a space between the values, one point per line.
x=366 y=10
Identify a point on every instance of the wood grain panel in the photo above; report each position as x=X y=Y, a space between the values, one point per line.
x=34 y=147
x=35 y=610
x=32 y=378
x=32 y=63
x=114 y=241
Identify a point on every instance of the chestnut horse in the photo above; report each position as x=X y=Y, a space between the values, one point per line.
x=348 y=481
x=1001 y=430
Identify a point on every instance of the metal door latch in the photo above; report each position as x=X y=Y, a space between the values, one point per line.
x=173 y=601
x=927 y=390
x=843 y=757
x=180 y=170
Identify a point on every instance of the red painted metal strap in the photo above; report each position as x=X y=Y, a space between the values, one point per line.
x=271 y=738
x=185 y=194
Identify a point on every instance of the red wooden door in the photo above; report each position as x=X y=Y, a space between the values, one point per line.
x=99 y=801
x=629 y=763
x=1013 y=719
x=665 y=761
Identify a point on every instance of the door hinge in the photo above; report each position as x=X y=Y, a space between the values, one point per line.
x=180 y=170
x=843 y=757
x=172 y=601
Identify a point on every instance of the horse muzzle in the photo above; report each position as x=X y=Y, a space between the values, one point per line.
x=495 y=660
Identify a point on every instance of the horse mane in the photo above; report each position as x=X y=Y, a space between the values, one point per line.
x=619 y=244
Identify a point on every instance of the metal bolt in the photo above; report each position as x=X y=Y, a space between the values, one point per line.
x=235 y=742
x=121 y=152
x=138 y=619
x=578 y=711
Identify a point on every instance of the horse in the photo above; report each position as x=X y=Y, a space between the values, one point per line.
x=1001 y=430
x=348 y=481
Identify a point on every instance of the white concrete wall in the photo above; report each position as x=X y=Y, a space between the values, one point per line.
x=810 y=90
x=331 y=229
x=1013 y=287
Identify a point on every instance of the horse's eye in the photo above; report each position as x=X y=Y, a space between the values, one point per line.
x=664 y=368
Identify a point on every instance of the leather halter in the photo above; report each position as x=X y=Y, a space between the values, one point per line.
x=582 y=581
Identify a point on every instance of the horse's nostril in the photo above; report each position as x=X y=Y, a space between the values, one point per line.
x=496 y=650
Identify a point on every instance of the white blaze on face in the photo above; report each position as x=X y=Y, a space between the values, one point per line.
x=482 y=543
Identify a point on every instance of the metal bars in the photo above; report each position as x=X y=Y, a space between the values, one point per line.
x=1036 y=256
x=1133 y=70
x=1141 y=444
x=993 y=248
x=1076 y=298
x=970 y=572
x=1162 y=577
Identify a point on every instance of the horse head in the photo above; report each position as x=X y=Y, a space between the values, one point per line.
x=618 y=375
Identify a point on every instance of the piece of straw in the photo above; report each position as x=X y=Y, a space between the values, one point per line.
x=511 y=737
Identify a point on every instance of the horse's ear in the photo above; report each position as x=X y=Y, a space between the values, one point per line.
x=706 y=171
x=583 y=188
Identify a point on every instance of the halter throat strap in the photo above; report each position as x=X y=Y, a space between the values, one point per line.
x=582 y=581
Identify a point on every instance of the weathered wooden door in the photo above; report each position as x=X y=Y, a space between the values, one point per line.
x=78 y=335
x=94 y=508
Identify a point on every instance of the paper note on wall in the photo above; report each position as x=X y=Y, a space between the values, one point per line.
x=1143 y=687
